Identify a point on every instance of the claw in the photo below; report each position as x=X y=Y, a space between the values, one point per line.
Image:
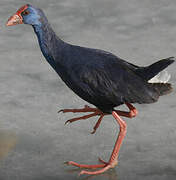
x=93 y=132
x=80 y=173
x=67 y=163
x=102 y=161
x=67 y=122
x=60 y=111
x=70 y=121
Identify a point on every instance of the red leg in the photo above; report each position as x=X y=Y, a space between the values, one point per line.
x=121 y=135
x=85 y=109
x=132 y=113
x=97 y=124
x=114 y=156
x=96 y=112
x=81 y=118
x=85 y=165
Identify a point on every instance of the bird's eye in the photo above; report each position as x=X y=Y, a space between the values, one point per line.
x=25 y=13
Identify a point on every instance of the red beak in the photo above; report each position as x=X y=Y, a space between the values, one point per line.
x=16 y=18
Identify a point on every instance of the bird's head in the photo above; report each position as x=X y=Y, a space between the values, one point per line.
x=27 y=14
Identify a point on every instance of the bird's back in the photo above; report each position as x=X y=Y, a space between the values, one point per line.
x=103 y=79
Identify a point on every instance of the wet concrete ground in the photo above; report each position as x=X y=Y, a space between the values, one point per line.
x=34 y=142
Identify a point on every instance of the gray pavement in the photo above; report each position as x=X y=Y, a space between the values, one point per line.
x=34 y=142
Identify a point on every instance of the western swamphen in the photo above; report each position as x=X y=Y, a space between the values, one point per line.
x=98 y=77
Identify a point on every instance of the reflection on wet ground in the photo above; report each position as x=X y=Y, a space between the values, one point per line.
x=109 y=175
x=7 y=143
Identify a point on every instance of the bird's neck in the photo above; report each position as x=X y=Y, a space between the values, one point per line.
x=51 y=46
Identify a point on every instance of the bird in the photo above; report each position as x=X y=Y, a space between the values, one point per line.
x=98 y=77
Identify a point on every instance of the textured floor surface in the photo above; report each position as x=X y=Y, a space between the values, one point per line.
x=34 y=142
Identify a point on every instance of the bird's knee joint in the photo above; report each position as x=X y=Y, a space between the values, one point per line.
x=123 y=127
x=133 y=113
x=123 y=130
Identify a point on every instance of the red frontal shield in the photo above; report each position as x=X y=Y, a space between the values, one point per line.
x=16 y=18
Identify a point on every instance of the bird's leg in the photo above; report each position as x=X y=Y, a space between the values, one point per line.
x=85 y=109
x=114 y=156
x=98 y=123
x=132 y=113
x=96 y=112
x=81 y=118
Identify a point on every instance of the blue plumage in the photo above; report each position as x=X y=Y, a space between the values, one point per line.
x=97 y=76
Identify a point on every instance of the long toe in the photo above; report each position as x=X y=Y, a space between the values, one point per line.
x=96 y=172
x=107 y=166
x=85 y=165
x=104 y=166
x=85 y=109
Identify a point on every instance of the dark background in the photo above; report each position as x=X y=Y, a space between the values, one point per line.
x=34 y=142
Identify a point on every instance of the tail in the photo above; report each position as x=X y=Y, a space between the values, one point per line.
x=155 y=75
x=149 y=72
x=162 y=88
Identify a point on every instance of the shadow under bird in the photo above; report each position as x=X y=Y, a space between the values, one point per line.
x=98 y=77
